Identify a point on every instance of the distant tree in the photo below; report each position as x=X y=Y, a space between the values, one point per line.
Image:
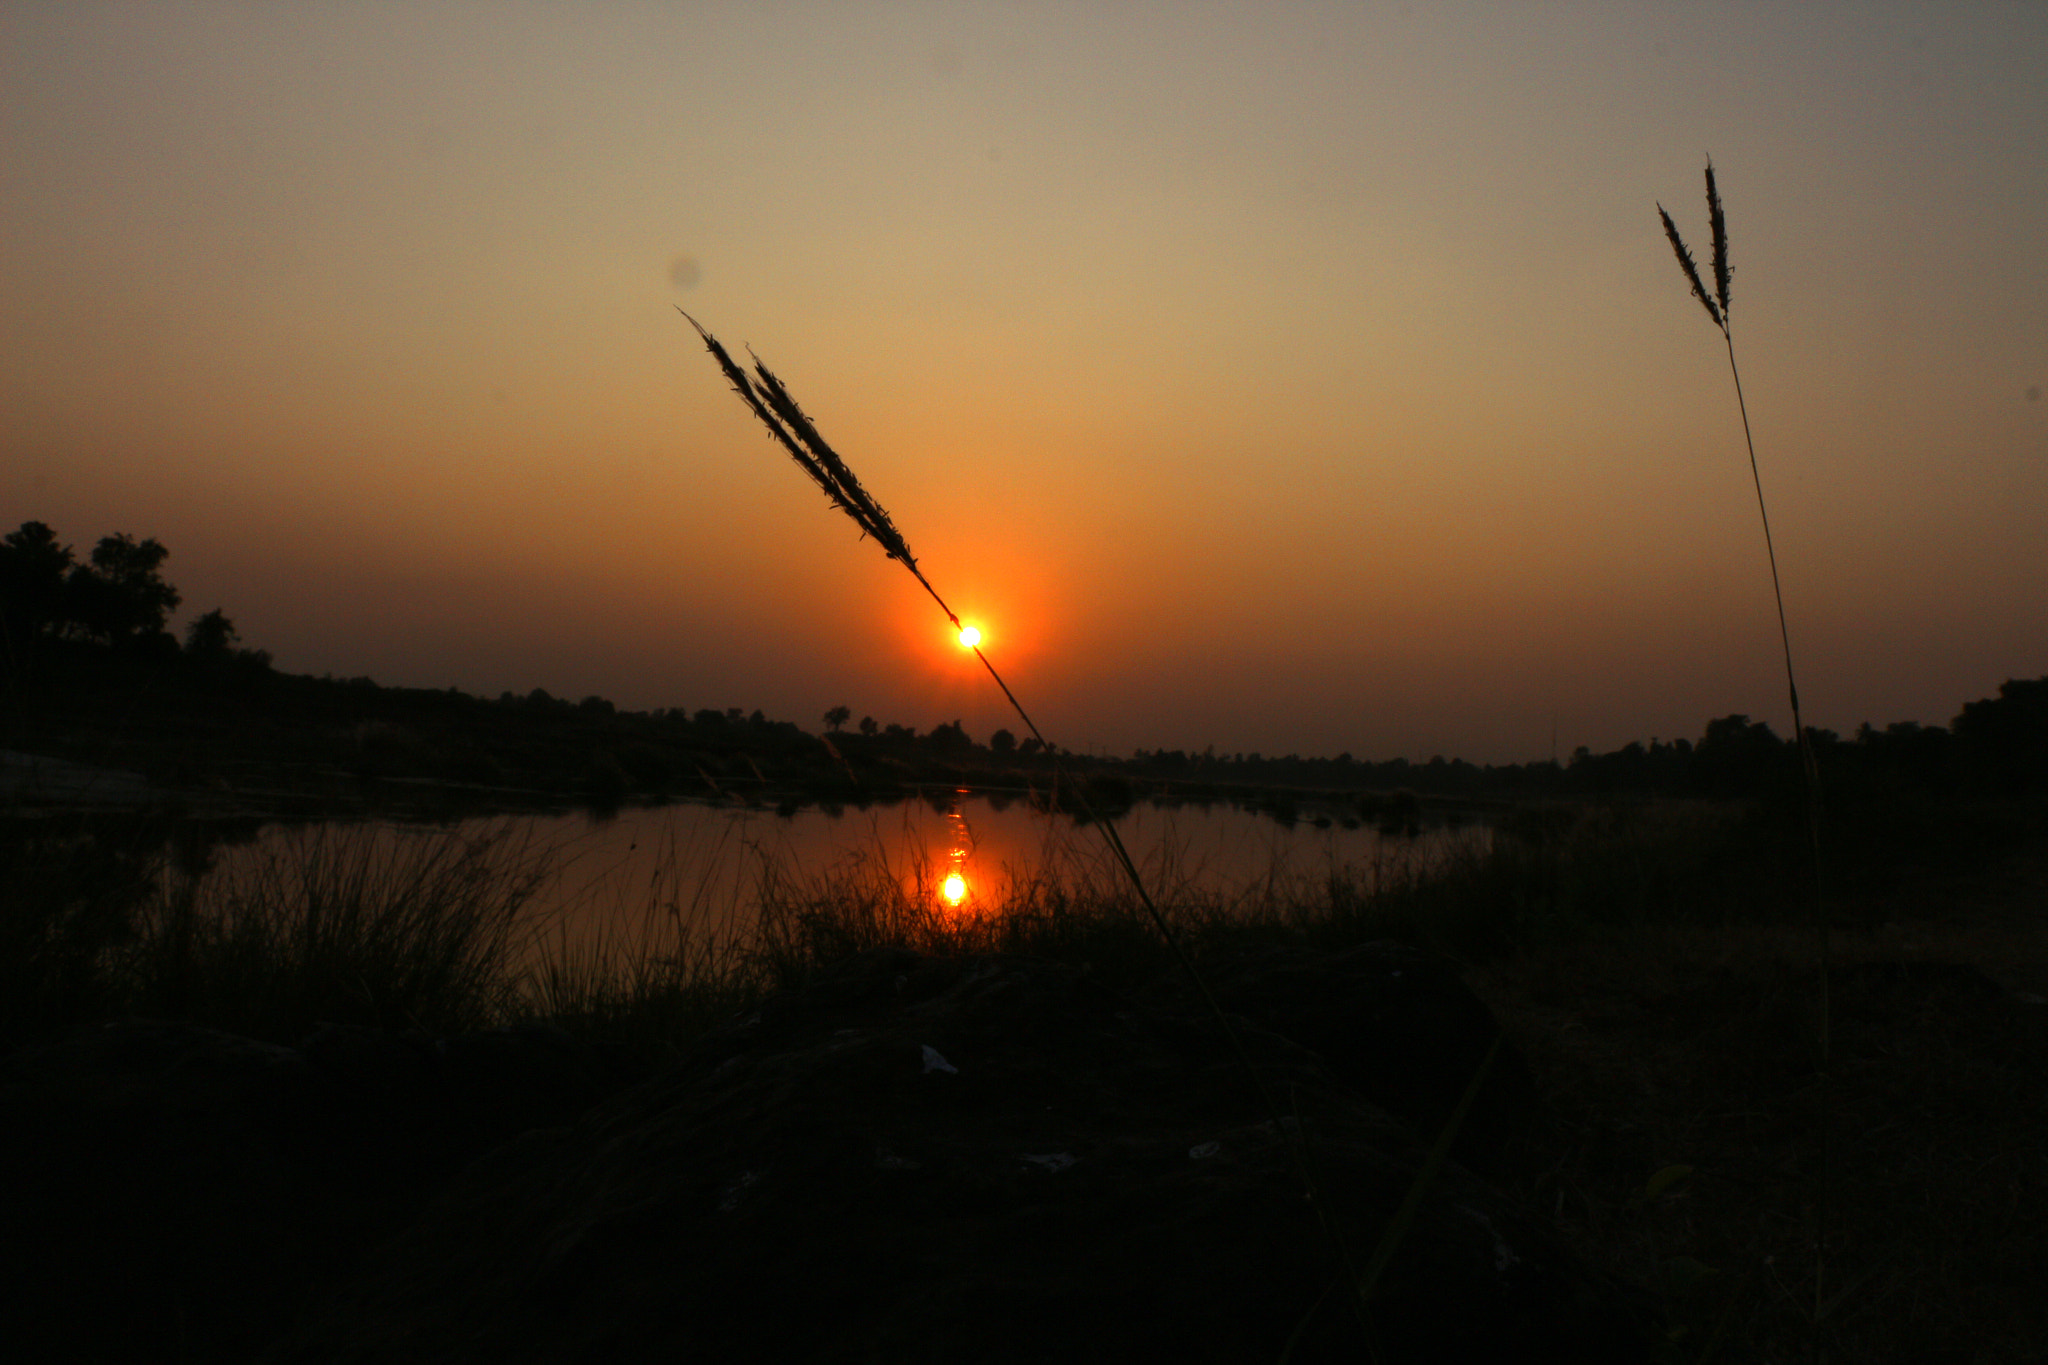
x=211 y=637
x=868 y=726
x=121 y=594
x=949 y=738
x=2004 y=740
x=211 y=644
x=1031 y=745
x=836 y=718
x=1738 y=756
x=1003 y=743
x=33 y=567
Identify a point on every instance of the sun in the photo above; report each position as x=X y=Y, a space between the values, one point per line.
x=954 y=889
x=970 y=636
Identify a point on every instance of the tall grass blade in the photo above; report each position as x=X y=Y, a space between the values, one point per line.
x=771 y=402
x=1717 y=309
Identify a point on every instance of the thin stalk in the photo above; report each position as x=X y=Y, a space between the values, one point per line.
x=1716 y=304
x=1810 y=772
x=772 y=403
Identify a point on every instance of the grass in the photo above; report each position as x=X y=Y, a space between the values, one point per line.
x=772 y=403
x=374 y=924
x=1649 y=959
x=1676 y=1045
x=1636 y=953
x=1718 y=310
x=388 y=926
x=440 y=928
x=72 y=888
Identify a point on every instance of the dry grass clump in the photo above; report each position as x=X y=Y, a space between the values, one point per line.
x=369 y=924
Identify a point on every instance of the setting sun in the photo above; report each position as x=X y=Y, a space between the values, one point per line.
x=954 y=889
x=970 y=636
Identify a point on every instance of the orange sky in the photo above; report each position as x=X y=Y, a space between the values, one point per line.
x=1292 y=378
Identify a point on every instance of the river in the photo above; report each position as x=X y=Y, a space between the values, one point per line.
x=651 y=879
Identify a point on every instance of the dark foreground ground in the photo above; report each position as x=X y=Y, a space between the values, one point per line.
x=1695 y=1049
x=1003 y=1158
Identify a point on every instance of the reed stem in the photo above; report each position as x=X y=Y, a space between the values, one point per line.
x=773 y=405
x=1717 y=308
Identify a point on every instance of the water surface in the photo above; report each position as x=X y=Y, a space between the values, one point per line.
x=655 y=879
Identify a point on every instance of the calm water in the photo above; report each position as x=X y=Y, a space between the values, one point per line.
x=645 y=879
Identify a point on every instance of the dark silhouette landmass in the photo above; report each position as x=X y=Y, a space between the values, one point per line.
x=93 y=676
x=1637 y=1168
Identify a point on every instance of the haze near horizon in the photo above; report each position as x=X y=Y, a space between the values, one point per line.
x=1308 y=379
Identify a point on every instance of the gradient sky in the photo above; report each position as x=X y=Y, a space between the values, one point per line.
x=1297 y=377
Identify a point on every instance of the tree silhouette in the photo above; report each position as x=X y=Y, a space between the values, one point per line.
x=33 y=567
x=122 y=594
x=836 y=718
x=868 y=726
x=2004 y=740
x=949 y=738
x=211 y=637
x=1003 y=743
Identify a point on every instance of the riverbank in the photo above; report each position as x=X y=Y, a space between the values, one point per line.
x=1653 y=970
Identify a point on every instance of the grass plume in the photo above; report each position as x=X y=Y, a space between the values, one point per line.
x=1717 y=224
x=1692 y=270
x=786 y=422
x=1717 y=306
x=771 y=402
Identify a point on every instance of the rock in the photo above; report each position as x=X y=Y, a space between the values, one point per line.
x=989 y=1159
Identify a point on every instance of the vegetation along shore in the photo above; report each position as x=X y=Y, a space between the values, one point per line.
x=338 y=1109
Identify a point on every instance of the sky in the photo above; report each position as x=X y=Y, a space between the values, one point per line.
x=1298 y=377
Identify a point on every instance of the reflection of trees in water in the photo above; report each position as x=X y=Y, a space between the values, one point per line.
x=75 y=888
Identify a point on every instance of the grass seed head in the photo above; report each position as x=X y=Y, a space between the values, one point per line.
x=772 y=402
x=1718 y=221
x=1692 y=272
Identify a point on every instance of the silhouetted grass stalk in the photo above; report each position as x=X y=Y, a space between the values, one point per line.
x=771 y=402
x=787 y=423
x=1717 y=306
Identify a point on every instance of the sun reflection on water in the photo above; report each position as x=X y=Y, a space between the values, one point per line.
x=954 y=887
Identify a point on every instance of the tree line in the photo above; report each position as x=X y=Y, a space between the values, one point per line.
x=115 y=599
x=115 y=605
